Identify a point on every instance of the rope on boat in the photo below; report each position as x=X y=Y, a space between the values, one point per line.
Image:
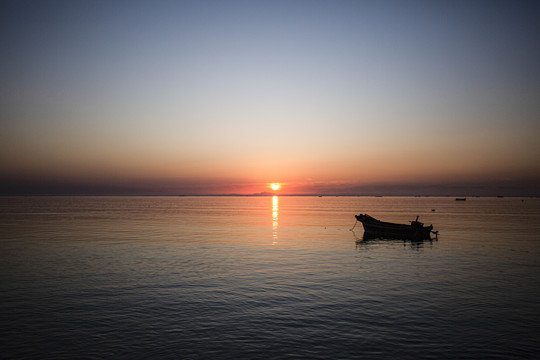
x=356 y=222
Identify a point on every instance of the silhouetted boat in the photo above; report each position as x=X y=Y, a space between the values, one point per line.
x=461 y=199
x=414 y=231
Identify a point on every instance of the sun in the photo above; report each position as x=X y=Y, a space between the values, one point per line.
x=275 y=186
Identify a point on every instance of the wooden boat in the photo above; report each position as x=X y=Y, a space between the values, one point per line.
x=414 y=231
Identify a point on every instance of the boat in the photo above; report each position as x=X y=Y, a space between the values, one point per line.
x=414 y=231
x=461 y=199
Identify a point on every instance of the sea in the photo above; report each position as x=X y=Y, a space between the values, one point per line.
x=267 y=277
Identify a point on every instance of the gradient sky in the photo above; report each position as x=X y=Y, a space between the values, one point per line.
x=205 y=97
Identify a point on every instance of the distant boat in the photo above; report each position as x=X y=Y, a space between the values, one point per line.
x=415 y=231
x=461 y=199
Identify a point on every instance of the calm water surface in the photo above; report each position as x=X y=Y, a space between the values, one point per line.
x=267 y=277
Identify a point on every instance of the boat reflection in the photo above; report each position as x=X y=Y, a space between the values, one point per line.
x=368 y=239
x=275 y=210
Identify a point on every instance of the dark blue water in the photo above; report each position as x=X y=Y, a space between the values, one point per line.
x=263 y=277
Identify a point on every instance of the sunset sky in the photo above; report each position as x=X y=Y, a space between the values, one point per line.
x=219 y=97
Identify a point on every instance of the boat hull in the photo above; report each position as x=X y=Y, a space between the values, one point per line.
x=376 y=228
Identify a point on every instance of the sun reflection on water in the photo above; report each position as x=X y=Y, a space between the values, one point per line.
x=275 y=210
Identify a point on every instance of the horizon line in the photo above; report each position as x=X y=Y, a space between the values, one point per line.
x=268 y=195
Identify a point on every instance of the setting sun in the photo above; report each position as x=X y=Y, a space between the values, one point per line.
x=275 y=186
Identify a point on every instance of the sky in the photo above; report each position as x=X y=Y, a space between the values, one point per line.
x=222 y=97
